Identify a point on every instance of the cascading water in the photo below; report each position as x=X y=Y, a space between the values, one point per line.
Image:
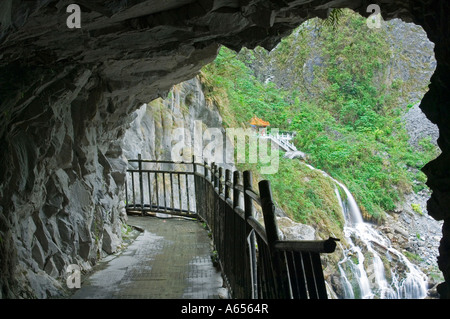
x=371 y=267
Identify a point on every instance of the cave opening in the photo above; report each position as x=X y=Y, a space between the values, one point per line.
x=280 y=69
x=62 y=171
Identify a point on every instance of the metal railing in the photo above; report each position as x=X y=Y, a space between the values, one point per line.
x=254 y=261
x=282 y=139
x=160 y=187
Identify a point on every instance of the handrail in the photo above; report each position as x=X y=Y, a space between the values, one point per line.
x=157 y=171
x=248 y=251
x=159 y=161
x=250 y=192
x=281 y=140
x=319 y=246
x=256 y=225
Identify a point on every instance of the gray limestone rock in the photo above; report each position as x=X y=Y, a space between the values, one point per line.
x=419 y=127
x=111 y=241
x=291 y=230
x=67 y=95
x=295 y=154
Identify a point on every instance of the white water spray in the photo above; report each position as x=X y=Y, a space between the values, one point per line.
x=363 y=272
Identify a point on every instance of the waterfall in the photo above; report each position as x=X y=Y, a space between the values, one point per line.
x=371 y=273
x=363 y=267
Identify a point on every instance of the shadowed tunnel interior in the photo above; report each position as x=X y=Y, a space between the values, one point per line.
x=67 y=95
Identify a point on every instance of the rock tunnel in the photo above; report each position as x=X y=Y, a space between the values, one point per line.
x=67 y=95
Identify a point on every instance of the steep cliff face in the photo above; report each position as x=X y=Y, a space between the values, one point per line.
x=64 y=188
x=299 y=61
x=66 y=96
x=157 y=127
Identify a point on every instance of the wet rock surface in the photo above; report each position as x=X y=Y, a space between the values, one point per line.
x=417 y=236
x=66 y=96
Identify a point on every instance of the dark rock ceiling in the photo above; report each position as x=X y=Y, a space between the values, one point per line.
x=130 y=52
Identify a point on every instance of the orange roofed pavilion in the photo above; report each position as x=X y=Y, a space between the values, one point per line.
x=256 y=121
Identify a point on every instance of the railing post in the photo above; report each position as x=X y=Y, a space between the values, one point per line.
x=248 y=210
x=205 y=170
x=205 y=192
x=126 y=191
x=278 y=260
x=220 y=180
x=227 y=182
x=213 y=174
x=268 y=209
x=194 y=169
x=248 y=204
x=236 y=192
x=214 y=211
x=141 y=183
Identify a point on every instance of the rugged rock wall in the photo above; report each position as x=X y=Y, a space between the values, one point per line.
x=66 y=94
x=60 y=193
x=419 y=127
x=410 y=66
x=153 y=132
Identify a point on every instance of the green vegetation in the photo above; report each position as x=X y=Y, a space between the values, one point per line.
x=347 y=117
x=307 y=195
x=413 y=257
x=126 y=230
x=417 y=208
x=239 y=95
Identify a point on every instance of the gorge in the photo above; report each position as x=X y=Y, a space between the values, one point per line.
x=67 y=97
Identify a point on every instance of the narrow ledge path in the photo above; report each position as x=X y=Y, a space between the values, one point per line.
x=170 y=259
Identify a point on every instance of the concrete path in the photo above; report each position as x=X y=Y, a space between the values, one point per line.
x=170 y=259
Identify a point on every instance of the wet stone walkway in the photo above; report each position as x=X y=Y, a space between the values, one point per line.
x=170 y=259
